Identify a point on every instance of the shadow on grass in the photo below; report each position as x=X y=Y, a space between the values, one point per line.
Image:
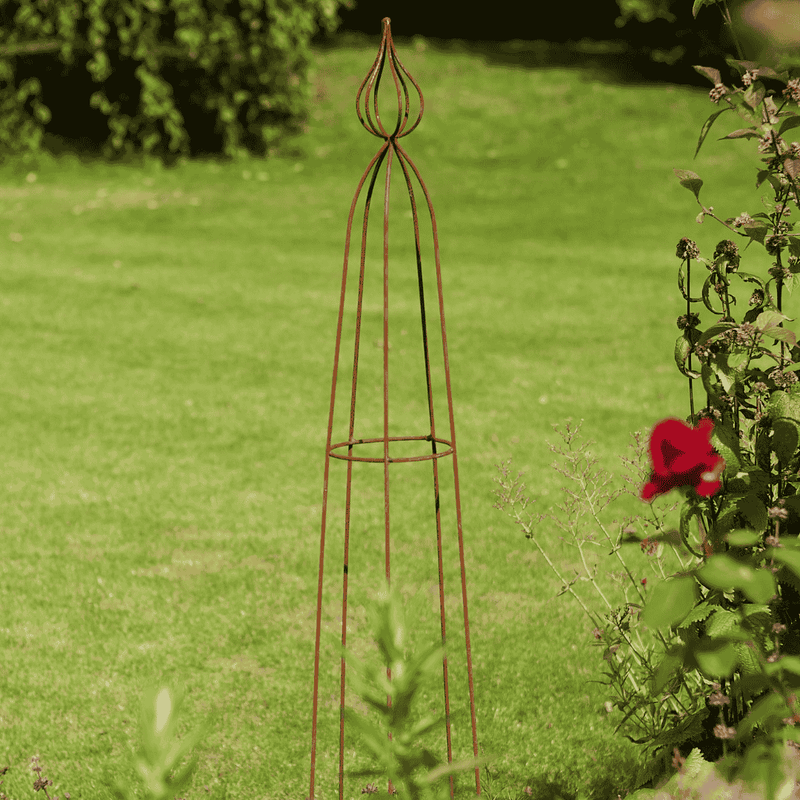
x=606 y=782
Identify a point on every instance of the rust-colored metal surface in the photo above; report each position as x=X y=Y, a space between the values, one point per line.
x=435 y=445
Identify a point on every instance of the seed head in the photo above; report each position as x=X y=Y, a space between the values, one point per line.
x=792 y=90
x=687 y=249
x=728 y=251
x=717 y=93
x=718 y=699
x=775 y=243
x=691 y=320
x=723 y=732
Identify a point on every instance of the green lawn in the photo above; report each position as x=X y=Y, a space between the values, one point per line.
x=167 y=340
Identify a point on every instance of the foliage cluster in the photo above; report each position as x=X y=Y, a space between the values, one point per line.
x=165 y=763
x=709 y=659
x=156 y=61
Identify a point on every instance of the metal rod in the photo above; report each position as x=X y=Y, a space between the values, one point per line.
x=440 y=447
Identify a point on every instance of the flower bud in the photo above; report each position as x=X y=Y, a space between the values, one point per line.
x=687 y=249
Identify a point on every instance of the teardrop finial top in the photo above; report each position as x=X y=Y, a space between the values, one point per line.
x=371 y=118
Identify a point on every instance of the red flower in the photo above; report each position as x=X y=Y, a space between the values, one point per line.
x=683 y=456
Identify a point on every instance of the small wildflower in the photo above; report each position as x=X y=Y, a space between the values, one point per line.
x=778 y=627
x=792 y=90
x=748 y=78
x=765 y=143
x=687 y=249
x=775 y=243
x=717 y=93
x=745 y=333
x=528 y=791
x=644 y=581
x=728 y=252
x=783 y=380
x=597 y=633
x=759 y=387
x=773 y=541
x=772 y=658
x=702 y=352
x=779 y=273
x=777 y=513
x=718 y=699
x=743 y=219
x=370 y=788
x=723 y=732
x=649 y=546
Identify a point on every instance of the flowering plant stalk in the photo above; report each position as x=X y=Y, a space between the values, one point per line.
x=413 y=771
x=161 y=761
x=710 y=656
x=161 y=754
x=631 y=653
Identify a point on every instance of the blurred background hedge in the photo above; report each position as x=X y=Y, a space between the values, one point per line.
x=189 y=77
x=163 y=77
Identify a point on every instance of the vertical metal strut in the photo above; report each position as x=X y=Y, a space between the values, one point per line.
x=390 y=151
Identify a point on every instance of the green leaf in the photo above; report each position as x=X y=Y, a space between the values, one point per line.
x=790 y=663
x=792 y=167
x=709 y=72
x=753 y=510
x=670 y=602
x=726 y=443
x=789 y=123
x=723 y=572
x=756 y=231
x=771 y=706
x=763 y=174
x=687 y=512
x=786 y=556
x=754 y=94
x=718 y=662
x=673 y=659
x=682 y=349
x=785 y=405
x=785 y=440
x=769 y=319
x=743 y=538
x=782 y=334
x=710 y=121
x=725 y=625
x=690 y=180
x=716 y=330
x=698 y=614
x=742 y=133
x=722 y=372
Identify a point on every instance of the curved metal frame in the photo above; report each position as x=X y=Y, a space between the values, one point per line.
x=390 y=150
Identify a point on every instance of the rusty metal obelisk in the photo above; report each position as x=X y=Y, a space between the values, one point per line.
x=366 y=442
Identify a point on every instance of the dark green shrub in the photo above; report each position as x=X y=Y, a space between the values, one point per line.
x=163 y=73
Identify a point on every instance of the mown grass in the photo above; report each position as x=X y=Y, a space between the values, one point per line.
x=167 y=341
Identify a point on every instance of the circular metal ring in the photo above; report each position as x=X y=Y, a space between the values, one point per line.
x=428 y=457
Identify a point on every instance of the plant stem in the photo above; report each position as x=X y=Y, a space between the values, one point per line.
x=688 y=313
x=726 y=16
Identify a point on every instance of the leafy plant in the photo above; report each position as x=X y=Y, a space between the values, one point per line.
x=413 y=771
x=161 y=760
x=710 y=658
x=248 y=69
